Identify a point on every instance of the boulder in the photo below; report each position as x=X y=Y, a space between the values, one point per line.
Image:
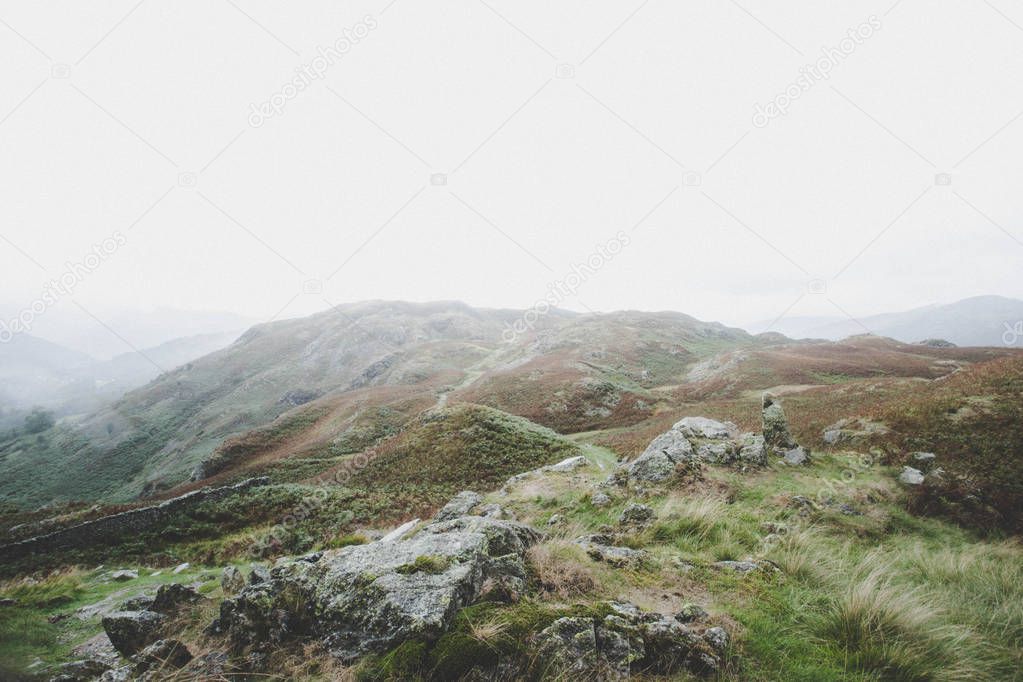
x=626 y=640
x=460 y=505
x=636 y=515
x=130 y=631
x=171 y=597
x=911 y=476
x=231 y=580
x=746 y=566
x=702 y=427
x=124 y=575
x=369 y=598
x=753 y=449
x=658 y=461
x=259 y=574
x=776 y=426
x=691 y=613
x=81 y=671
x=142 y=602
x=695 y=440
x=181 y=568
x=600 y=499
x=401 y=531
x=796 y=456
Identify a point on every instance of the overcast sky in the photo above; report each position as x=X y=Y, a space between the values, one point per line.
x=478 y=150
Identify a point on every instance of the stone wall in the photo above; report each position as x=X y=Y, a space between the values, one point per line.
x=110 y=528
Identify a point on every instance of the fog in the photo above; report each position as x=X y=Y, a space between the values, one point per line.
x=739 y=161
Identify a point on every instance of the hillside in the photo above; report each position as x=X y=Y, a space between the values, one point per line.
x=350 y=429
x=977 y=321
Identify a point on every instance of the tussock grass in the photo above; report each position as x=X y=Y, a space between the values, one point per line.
x=562 y=569
x=59 y=587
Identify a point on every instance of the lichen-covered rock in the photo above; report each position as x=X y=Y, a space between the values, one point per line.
x=570 y=464
x=130 y=631
x=460 y=505
x=624 y=641
x=600 y=499
x=746 y=566
x=81 y=671
x=232 y=581
x=776 y=426
x=692 y=441
x=691 y=613
x=569 y=646
x=636 y=514
x=368 y=598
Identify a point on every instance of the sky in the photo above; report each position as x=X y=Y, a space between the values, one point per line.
x=736 y=160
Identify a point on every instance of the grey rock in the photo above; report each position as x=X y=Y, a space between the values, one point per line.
x=600 y=499
x=659 y=460
x=911 y=476
x=368 y=598
x=568 y=646
x=121 y=674
x=702 y=427
x=81 y=671
x=460 y=505
x=171 y=597
x=142 y=602
x=796 y=456
x=570 y=464
x=401 y=531
x=717 y=638
x=259 y=574
x=601 y=548
x=636 y=514
x=746 y=566
x=181 y=568
x=691 y=613
x=232 y=581
x=555 y=520
x=752 y=449
x=776 y=426
x=124 y=575
x=130 y=631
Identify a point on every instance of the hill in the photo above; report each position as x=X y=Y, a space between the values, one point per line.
x=977 y=321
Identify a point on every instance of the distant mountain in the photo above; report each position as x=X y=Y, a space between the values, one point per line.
x=978 y=321
x=125 y=331
x=32 y=370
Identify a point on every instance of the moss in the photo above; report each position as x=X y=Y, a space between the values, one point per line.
x=426 y=563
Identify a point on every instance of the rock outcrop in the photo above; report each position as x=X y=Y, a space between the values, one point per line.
x=368 y=598
x=695 y=440
x=777 y=437
x=627 y=639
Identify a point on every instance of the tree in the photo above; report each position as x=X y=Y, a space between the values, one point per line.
x=39 y=420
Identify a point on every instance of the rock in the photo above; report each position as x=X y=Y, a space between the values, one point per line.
x=171 y=597
x=776 y=426
x=752 y=449
x=401 y=531
x=81 y=671
x=232 y=581
x=460 y=505
x=122 y=674
x=569 y=646
x=658 y=461
x=625 y=641
x=601 y=548
x=570 y=464
x=7 y=601
x=853 y=431
x=180 y=568
x=369 y=598
x=555 y=520
x=797 y=456
x=636 y=515
x=163 y=655
x=691 y=613
x=746 y=566
x=259 y=574
x=717 y=638
x=211 y=666
x=124 y=575
x=911 y=476
x=142 y=602
x=702 y=427
x=924 y=461
x=600 y=499
x=130 y=631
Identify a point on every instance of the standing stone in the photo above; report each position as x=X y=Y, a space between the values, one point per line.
x=776 y=426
